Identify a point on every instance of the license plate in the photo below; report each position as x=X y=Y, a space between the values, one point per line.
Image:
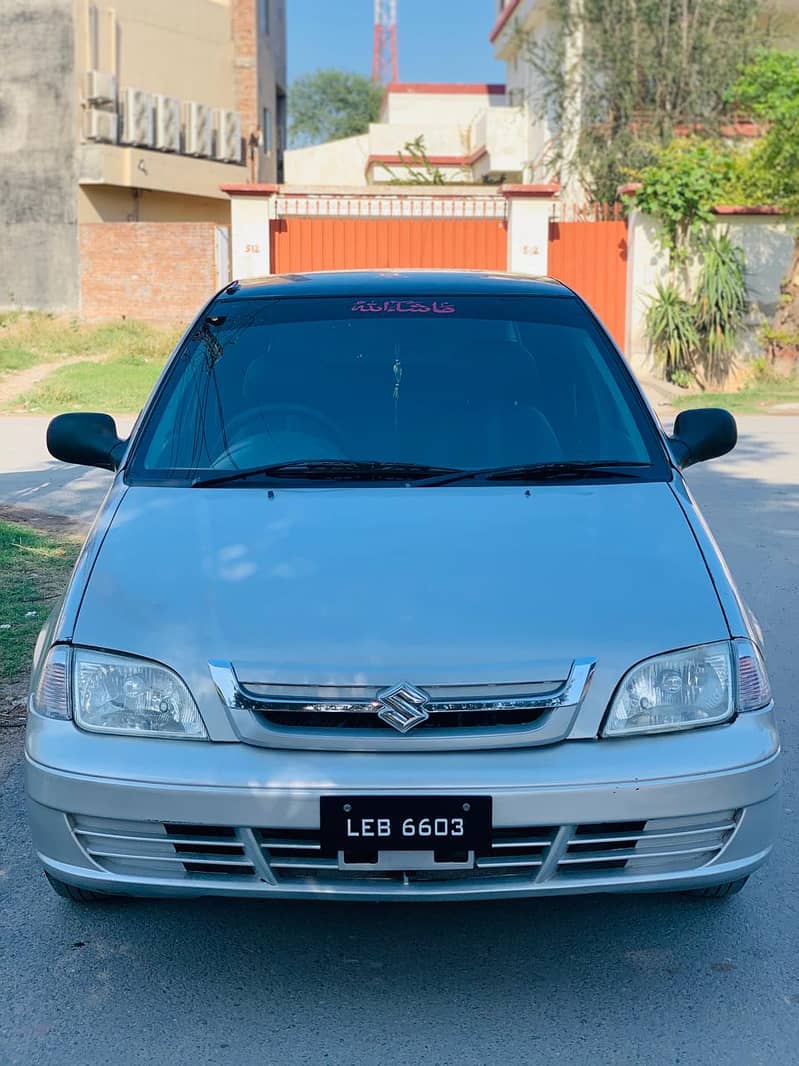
x=405 y=823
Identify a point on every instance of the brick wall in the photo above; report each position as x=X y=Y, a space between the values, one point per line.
x=152 y=271
x=244 y=28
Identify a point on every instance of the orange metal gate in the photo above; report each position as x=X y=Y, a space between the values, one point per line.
x=590 y=256
x=300 y=244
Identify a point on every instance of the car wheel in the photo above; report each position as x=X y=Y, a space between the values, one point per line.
x=77 y=895
x=728 y=888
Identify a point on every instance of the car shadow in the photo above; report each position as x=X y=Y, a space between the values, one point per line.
x=55 y=488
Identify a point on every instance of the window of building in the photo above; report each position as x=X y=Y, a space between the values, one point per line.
x=263 y=15
x=267 y=131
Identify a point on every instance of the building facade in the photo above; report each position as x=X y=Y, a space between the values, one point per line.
x=468 y=134
x=522 y=24
x=128 y=111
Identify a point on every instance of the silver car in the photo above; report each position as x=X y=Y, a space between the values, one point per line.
x=398 y=593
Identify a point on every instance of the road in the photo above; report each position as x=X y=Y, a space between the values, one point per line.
x=594 y=980
x=30 y=478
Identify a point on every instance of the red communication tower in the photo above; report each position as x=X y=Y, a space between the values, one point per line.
x=384 y=56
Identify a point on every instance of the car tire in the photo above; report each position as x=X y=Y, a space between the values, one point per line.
x=723 y=891
x=77 y=895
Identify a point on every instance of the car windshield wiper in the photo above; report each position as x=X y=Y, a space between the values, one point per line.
x=331 y=470
x=564 y=470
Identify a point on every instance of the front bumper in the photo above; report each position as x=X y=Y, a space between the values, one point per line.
x=179 y=818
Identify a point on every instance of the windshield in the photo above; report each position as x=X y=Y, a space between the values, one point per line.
x=450 y=384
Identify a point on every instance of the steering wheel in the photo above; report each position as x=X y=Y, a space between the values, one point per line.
x=259 y=431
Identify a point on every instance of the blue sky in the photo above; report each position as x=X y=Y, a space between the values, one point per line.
x=439 y=40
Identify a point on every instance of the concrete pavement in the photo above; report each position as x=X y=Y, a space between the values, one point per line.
x=652 y=980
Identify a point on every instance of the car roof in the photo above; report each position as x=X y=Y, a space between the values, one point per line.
x=396 y=283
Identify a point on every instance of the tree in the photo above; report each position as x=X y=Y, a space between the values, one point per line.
x=619 y=77
x=769 y=87
x=330 y=104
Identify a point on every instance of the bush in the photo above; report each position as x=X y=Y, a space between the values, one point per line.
x=681 y=189
x=720 y=303
x=671 y=330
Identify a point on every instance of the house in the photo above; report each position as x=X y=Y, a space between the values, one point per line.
x=467 y=134
x=114 y=112
x=521 y=23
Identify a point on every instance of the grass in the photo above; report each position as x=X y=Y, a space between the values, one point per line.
x=757 y=397
x=13 y=358
x=122 y=360
x=119 y=385
x=34 y=568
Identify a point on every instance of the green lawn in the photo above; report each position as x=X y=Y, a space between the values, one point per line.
x=49 y=338
x=13 y=358
x=126 y=358
x=119 y=385
x=34 y=568
x=757 y=398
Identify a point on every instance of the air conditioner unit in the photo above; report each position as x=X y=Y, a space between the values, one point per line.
x=167 y=123
x=100 y=125
x=137 y=118
x=100 y=88
x=197 y=129
x=227 y=135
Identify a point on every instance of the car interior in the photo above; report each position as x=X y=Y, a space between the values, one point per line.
x=463 y=393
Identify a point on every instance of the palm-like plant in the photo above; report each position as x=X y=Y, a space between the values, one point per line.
x=671 y=330
x=720 y=302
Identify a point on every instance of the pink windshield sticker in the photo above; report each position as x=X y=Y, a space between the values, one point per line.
x=407 y=307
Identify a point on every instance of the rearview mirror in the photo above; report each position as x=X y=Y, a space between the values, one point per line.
x=703 y=433
x=87 y=439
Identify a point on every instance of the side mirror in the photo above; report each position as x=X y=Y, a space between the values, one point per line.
x=702 y=433
x=86 y=439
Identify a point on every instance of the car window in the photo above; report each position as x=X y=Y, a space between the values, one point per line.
x=459 y=382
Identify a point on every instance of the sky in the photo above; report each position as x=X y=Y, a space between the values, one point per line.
x=438 y=40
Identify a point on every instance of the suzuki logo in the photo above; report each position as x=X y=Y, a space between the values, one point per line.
x=403 y=707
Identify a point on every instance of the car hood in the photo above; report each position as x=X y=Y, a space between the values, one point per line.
x=356 y=585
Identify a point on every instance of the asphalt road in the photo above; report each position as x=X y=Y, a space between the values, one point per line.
x=31 y=478
x=594 y=980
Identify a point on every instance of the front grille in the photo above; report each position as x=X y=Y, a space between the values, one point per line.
x=297 y=856
x=606 y=852
x=460 y=720
x=434 y=716
x=660 y=845
x=165 y=850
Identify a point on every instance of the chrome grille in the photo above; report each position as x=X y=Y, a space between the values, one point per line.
x=298 y=856
x=657 y=846
x=157 y=849
x=434 y=716
x=288 y=857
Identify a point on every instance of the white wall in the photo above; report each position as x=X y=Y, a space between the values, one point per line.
x=528 y=235
x=504 y=133
x=434 y=108
x=449 y=139
x=502 y=130
x=249 y=236
x=525 y=88
x=646 y=266
x=334 y=163
x=768 y=244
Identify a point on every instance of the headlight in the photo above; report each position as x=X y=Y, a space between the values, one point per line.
x=117 y=694
x=684 y=689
